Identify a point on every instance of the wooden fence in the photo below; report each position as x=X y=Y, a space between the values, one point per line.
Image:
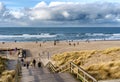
x=74 y=69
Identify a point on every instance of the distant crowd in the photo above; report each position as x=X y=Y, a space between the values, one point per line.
x=32 y=63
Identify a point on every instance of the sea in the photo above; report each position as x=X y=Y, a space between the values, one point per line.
x=29 y=34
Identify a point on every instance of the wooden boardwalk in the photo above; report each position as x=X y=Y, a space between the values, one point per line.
x=43 y=75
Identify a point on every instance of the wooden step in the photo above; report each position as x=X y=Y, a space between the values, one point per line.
x=43 y=75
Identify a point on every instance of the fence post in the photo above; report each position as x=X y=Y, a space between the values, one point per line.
x=70 y=67
x=19 y=68
x=18 y=71
x=84 y=77
x=77 y=73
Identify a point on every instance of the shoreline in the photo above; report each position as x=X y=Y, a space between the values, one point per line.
x=62 y=46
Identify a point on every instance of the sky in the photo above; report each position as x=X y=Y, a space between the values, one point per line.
x=61 y=13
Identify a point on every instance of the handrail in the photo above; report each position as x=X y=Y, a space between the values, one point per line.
x=17 y=71
x=63 y=66
x=52 y=67
x=82 y=71
x=57 y=69
x=71 y=66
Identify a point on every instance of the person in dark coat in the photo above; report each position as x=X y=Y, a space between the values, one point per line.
x=27 y=64
x=39 y=64
x=22 y=61
x=34 y=62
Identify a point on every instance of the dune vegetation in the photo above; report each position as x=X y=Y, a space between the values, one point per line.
x=5 y=75
x=101 y=64
x=2 y=64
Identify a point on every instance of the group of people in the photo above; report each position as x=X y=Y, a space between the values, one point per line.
x=32 y=63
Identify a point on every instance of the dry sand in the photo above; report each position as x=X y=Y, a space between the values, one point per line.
x=63 y=46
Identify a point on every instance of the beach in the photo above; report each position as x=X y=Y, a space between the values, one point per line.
x=48 y=48
x=92 y=56
x=44 y=38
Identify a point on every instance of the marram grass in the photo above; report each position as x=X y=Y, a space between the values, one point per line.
x=2 y=64
x=5 y=75
x=100 y=70
x=110 y=70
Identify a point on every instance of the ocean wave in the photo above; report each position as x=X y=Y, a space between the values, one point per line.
x=42 y=35
x=114 y=37
x=60 y=36
x=117 y=34
x=97 y=34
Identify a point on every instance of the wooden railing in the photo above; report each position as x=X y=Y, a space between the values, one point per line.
x=18 y=71
x=51 y=67
x=74 y=69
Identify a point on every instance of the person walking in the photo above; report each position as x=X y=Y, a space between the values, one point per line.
x=39 y=64
x=34 y=62
x=27 y=64
x=22 y=61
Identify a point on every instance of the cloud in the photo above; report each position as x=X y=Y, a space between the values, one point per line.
x=4 y=13
x=2 y=10
x=2 y=6
x=41 y=5
x=39 y=15
x=17 y=14
x=53 y=4
x=63 y=13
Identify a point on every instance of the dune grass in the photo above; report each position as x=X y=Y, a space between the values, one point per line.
x=2 y=64
x=110 y=70
x=89 y=60
x=5 y=75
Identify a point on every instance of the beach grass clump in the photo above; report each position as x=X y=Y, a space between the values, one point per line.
x=2 y=68
x=111 y=50
x=76 y=57
x=101 y=71
x=5 y=75
x=8 y=76
x=2 y=64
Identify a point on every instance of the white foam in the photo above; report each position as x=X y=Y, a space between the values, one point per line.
x=28 y=36
x=117 y=34
x=114 y=37
x=98 y=34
